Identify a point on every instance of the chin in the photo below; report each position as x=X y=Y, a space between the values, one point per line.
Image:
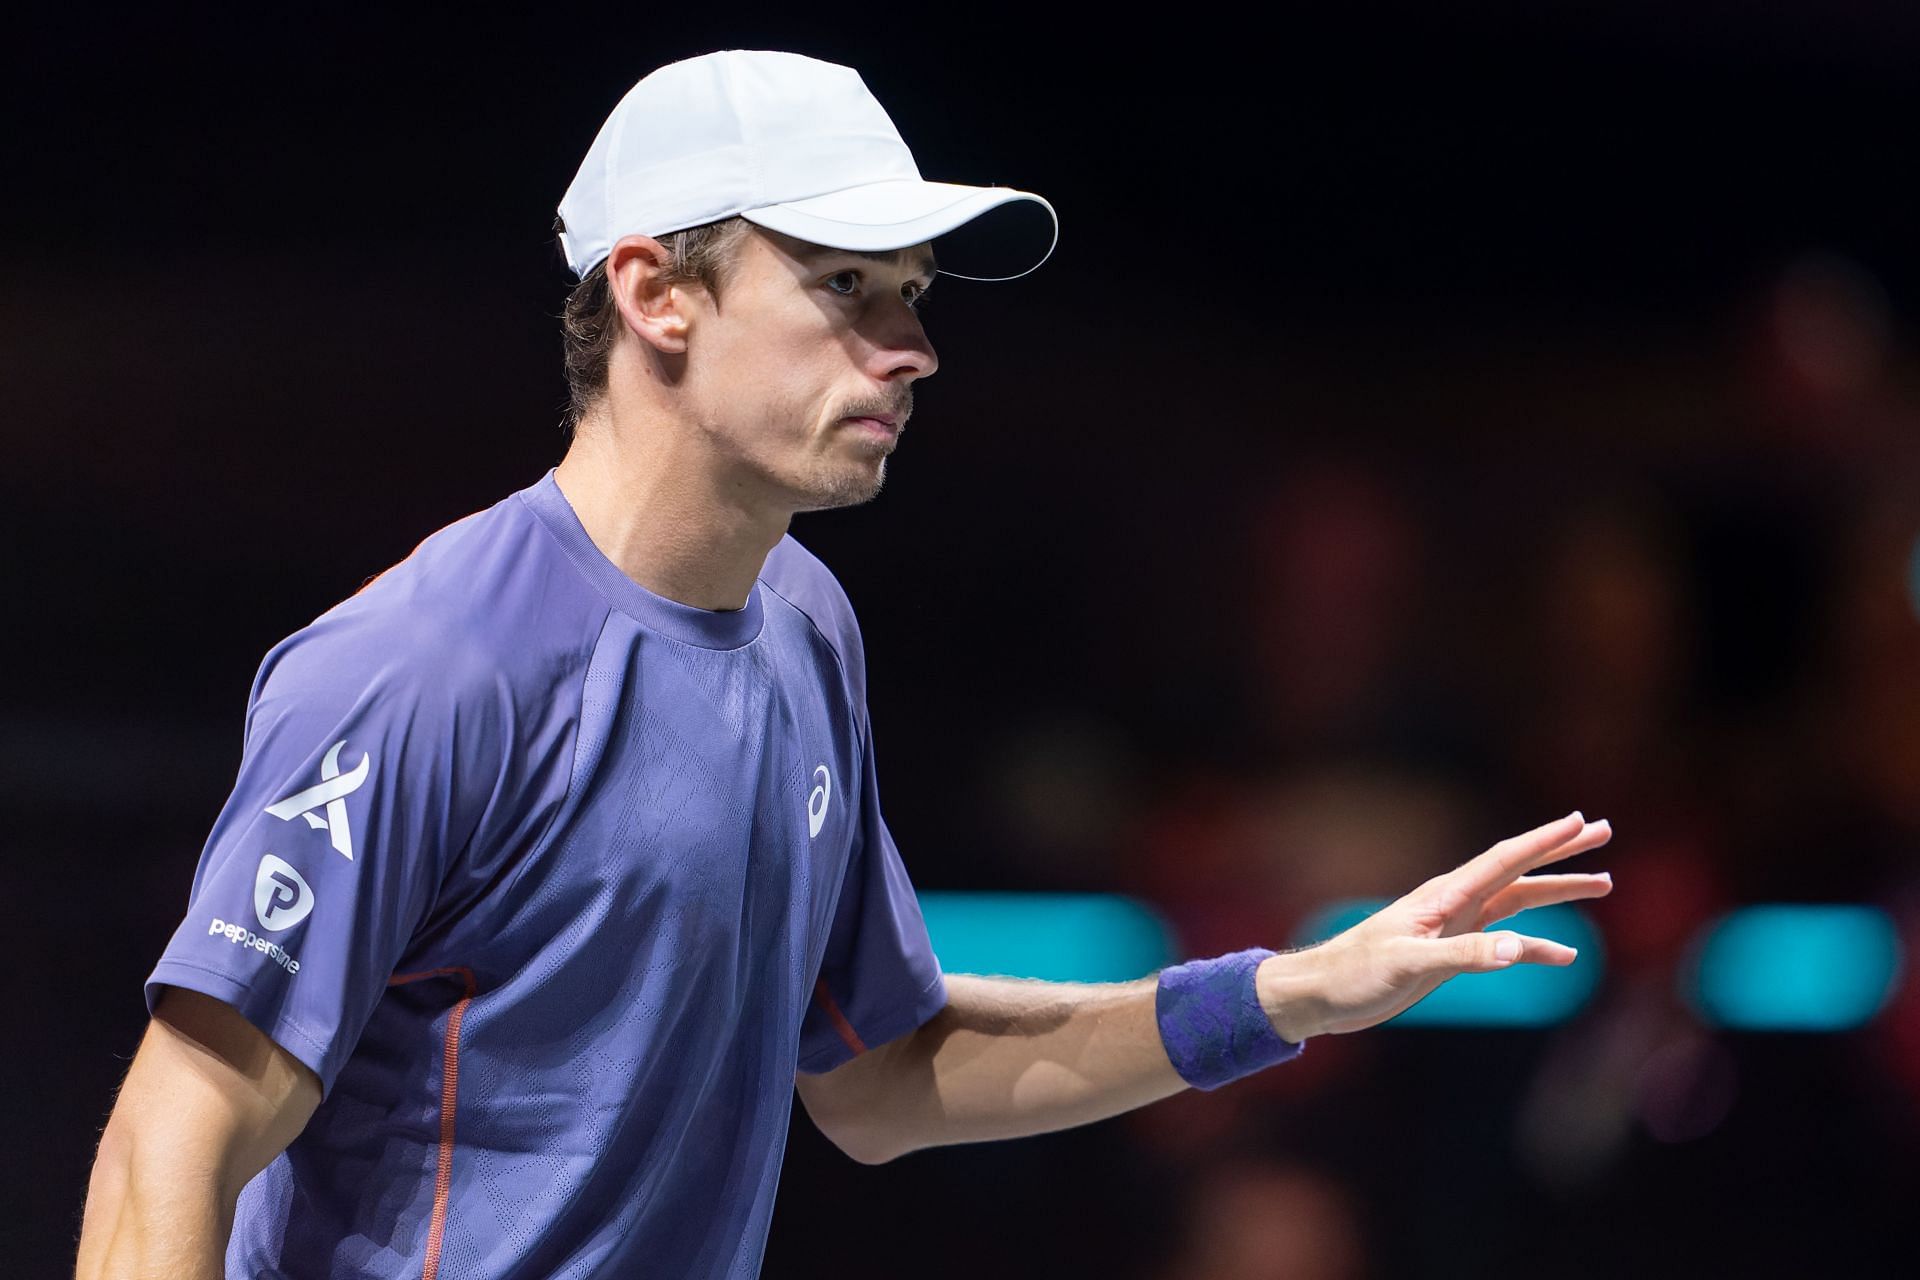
x=847 y=490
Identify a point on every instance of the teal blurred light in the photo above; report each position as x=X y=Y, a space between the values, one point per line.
x=1063 y=937
x=1526 y=995
x=1913 y=578
x=1792 y=967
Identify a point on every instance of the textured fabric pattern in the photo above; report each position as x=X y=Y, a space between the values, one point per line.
x=649 y=832
x=1211 y=1021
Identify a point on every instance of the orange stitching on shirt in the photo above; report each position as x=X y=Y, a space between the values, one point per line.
x=838 y=1018
x=449 y=1090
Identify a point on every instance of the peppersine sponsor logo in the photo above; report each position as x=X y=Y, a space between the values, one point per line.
x=281 y=899
x=241 y=936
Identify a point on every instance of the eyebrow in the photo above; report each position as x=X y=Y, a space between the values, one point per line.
x=928 y=267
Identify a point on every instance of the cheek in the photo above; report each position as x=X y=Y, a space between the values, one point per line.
x=766 y=400
x=774 y=373
x=795 y=378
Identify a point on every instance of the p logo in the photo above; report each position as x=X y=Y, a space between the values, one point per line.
x=281 y=897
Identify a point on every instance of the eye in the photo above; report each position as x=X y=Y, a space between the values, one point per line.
x=851 y=280
x=914 y=293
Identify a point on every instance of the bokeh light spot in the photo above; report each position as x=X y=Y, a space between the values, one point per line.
x=1062 y=937
x=1913 y=578
x=1791 y=967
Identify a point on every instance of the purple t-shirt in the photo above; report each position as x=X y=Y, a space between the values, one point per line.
x=555 y=883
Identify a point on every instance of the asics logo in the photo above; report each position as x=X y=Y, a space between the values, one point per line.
x=330 y=794
x=817 y=800
x=281 y=896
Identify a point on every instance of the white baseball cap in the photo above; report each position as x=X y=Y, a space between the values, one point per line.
x=790 y=143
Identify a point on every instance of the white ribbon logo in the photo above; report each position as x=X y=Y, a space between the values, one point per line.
x=331 y=794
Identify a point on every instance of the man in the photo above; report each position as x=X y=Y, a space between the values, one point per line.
x=556 y=863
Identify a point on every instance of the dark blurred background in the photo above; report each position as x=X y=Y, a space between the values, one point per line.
x=1434 y=419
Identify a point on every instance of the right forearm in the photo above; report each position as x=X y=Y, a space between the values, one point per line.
x=145 y=1219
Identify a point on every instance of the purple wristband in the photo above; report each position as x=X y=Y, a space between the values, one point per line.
x=1211 y=1021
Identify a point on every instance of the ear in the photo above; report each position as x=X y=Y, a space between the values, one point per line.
x=654 y=310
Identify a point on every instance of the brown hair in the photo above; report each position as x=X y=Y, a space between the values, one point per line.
x=590 y=321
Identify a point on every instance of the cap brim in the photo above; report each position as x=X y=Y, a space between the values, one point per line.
x=899 y=213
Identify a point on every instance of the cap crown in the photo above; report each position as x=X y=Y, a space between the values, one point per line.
x=722 y=134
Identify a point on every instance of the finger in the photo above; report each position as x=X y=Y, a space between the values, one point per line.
x=1486 y=952
x=1590 y=836
x=1529 y=892
x=1493 y=870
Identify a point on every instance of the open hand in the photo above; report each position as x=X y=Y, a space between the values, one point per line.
x=1392 y=959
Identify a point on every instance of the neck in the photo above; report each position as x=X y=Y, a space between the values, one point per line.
x=662 y=509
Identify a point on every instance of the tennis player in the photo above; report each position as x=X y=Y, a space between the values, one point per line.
x=556 y=862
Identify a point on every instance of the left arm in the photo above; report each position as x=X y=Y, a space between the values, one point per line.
x=1009 y=1057
x=1006 y=1058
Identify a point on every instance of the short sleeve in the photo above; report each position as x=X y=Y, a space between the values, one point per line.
x=330 y=849
x=879 y=979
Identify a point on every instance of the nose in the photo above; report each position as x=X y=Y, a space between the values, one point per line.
x=903 y=350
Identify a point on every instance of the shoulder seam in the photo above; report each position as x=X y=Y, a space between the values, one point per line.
x=840 y=659
x=540 y=844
